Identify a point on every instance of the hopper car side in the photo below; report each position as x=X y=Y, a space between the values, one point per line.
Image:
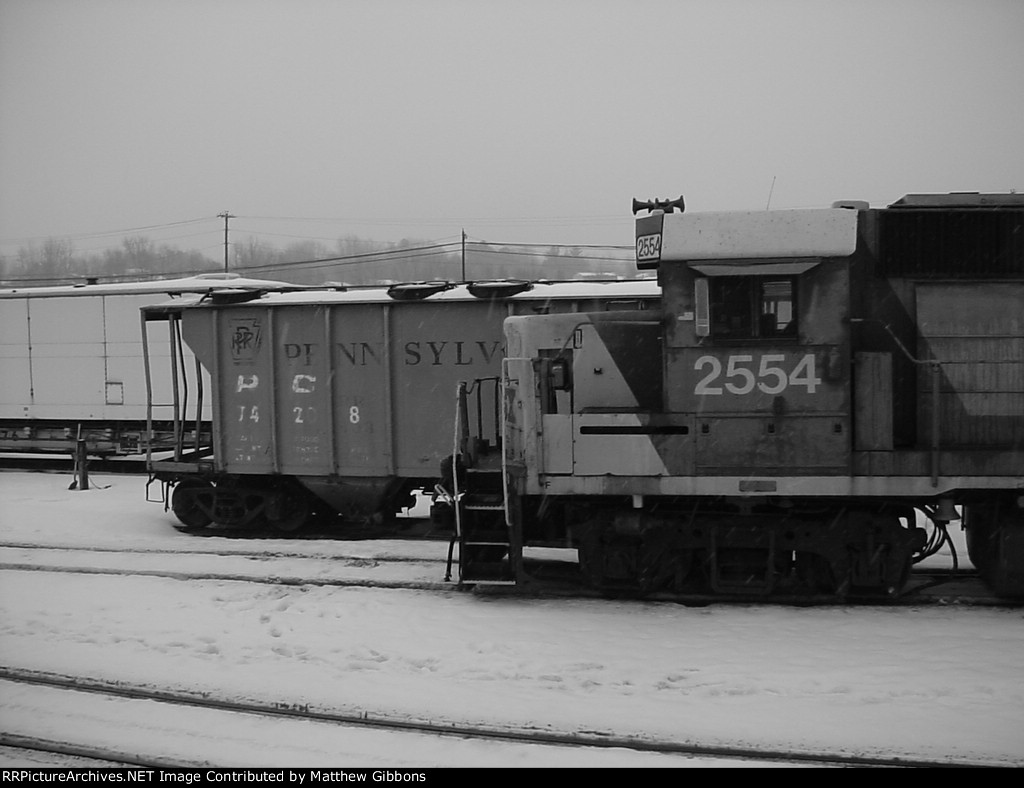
x=340 y=402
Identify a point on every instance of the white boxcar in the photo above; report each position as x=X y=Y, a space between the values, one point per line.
x=72 y=367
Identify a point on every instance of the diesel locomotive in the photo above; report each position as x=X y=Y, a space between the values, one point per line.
x=816 y=386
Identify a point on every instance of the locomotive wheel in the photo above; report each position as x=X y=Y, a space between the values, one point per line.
x=616 y=563
x=879 y=554
x=185 y=507
x=995 y=545
x=660 y=567
x=982 y=523
x=489 y=553
x=815 y=573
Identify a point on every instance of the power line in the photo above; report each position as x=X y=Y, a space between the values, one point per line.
x=103 y=233
x=443 y=220
x=556 y=246
x=383 y=256
x=407 y=254
x=506 y=221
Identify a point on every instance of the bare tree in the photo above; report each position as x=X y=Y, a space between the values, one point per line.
x=253 y=252
x=140 y=253
x=54 y=259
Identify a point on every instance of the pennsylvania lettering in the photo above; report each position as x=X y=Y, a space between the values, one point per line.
x=436 y=353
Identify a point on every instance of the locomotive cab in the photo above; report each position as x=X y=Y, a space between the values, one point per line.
x=756 y=351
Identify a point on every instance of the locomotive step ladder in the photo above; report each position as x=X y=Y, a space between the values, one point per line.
x=488 y=553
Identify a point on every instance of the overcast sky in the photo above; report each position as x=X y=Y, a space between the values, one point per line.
x=533 y=121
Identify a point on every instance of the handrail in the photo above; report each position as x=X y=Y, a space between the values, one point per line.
x=505 y=446
x=149 y=391
x=477 y=387
x=175 y=391
x=457 y=451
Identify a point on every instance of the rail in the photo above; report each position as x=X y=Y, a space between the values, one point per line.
x=467 y=731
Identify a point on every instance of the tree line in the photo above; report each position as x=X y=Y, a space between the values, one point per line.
x=351 y=260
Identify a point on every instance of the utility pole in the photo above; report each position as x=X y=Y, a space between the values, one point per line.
x=225 y=216
x=463 y=255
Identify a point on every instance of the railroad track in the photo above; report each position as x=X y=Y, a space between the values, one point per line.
x=368 y=720
x=79 y=756
x=276 y=568
x=226 y=552
x=65 y=463
x=369 y=570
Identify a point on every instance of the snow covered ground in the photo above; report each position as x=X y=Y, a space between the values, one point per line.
x=925 y=682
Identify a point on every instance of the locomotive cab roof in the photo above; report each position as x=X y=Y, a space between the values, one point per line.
x=960 y=200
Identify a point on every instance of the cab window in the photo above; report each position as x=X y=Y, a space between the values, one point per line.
x=753 y=307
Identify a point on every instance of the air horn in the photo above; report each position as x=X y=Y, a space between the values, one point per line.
x=668 y=206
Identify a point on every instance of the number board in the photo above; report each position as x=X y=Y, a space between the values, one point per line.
x=648 y=248
x=648 y=240
x=749 y=379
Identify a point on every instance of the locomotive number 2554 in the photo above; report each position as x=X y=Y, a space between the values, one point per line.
x=648 y=247
x=742 y=374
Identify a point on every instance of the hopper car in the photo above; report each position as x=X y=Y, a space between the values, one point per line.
x=338 y=403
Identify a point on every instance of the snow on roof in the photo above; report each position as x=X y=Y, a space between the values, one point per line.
x=452 y=292
x=201 y=283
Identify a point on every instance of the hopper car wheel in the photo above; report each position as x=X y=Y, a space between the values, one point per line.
x=289 y=512
x=186 y=508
